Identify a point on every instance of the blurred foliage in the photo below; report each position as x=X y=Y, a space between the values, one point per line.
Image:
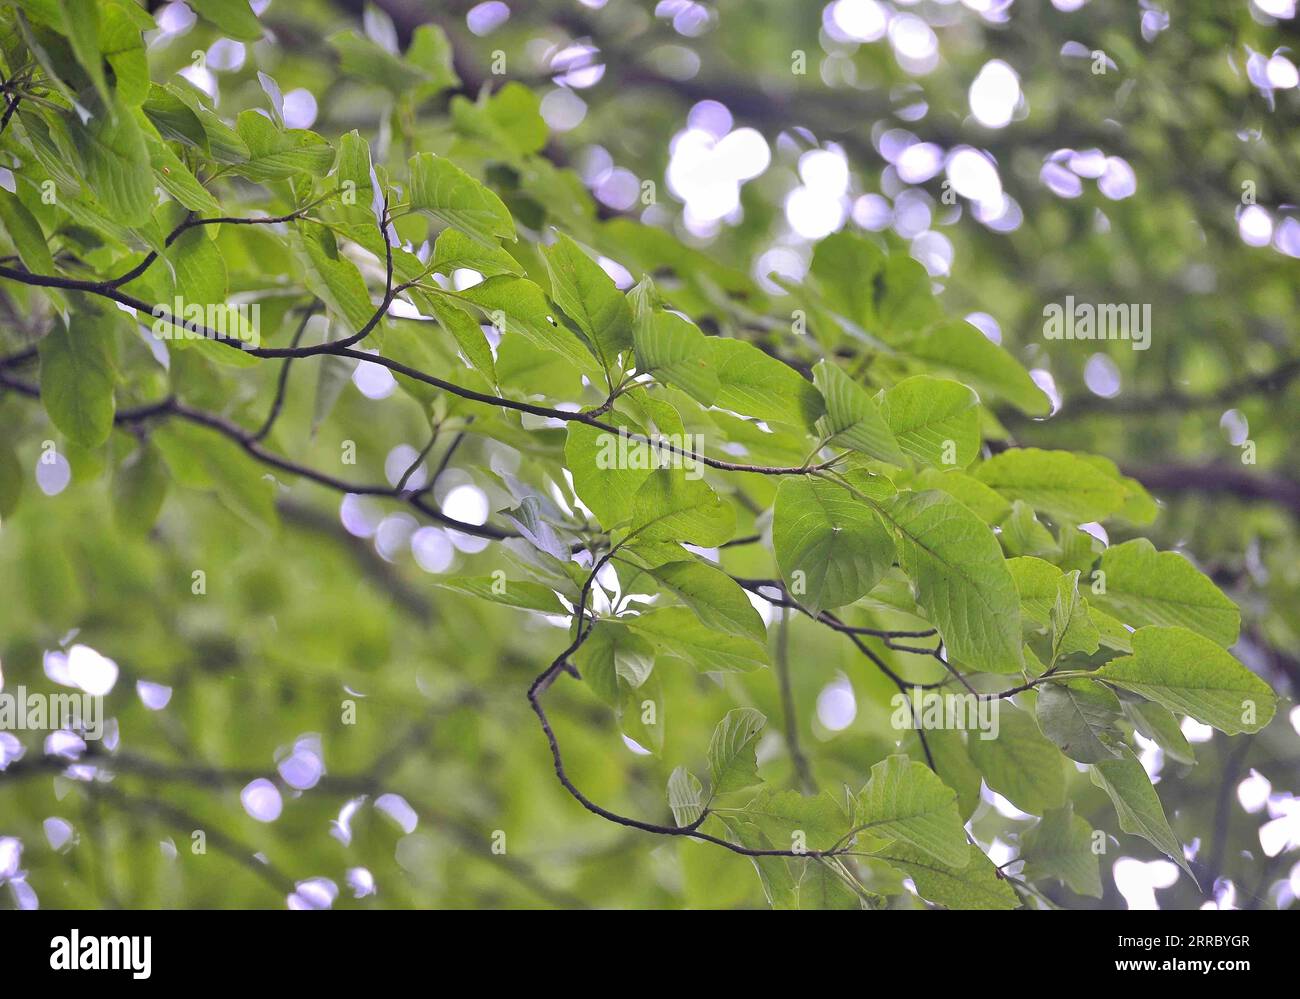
x=416 y=689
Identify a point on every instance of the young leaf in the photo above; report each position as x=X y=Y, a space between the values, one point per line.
x=669 y=506
x=976 y=885
x=676 y=352
x=755 y=384
x=685 y=797
x=733 y=765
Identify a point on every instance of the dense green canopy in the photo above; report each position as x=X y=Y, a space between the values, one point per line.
x=704 y=454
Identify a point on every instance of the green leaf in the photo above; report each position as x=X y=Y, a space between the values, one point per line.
x=1079 y=716
x=606 y=485
x=275 y=154
x=792 y=820
x=331 y=276
x=717 y=600
x=116 y=159
x=962 y=349
x=518 y=306
x=234 y=17
x=976 y=885
x=676 y=353
x=845 y=266
x=466 y=331
x=906 y=801
x=934 y=420
x=1072 y=629
x=443 y=190
x=754 y=384
x=1188 y=673
x=1019 y=763
x=1056 y=483
x=77 y=378
x=201 y=459
x=25 y=233
x=733 y=765
x=967 y=490
x=822 y=887
x=1137 y=804
x=520 y=593
x=81 y=27
x=670 y=506
x=1157 y=723
x=961 y=580
x=685 y=797
x=1061 y=847
x=589 y=297
x=1147 y=587
x=454 y=251
x=677 y=632
x=852 y=419
x=830 y=547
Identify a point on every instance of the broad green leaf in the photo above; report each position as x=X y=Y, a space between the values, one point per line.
x=1072 y=628
x=794 y=821
x=676 y=352
x=822 y=887
x=25 y=233
x=671 y=506
x=852 y=419
x=443 y=190
x=1020 y=763
x=81 y=27
x=606 y=484
x=116 y=160
x=77 y=378
x=1137 y=804
x=1079 y=716
x=199 y=458
x=1057 y=483
x=521 y=593
x=845 y=266
x=332 y=277
x=961 y=580
x=975 y=885
x=466 y=331
x=589 y=297
x=934 y=420
x=906 y=801
x=754 y=384
x=1061 y=847
x=717 y=600
x=1188 y=673
x=677 y=632
x=453 y=251
x=685 y=797
x=733 y=765
x=276 y=154
x=517 y=306
x=967 y=490
x=1145 y=587
x=830 y=547
x=234 y=17
x=1024 y=534
x=962 y=349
